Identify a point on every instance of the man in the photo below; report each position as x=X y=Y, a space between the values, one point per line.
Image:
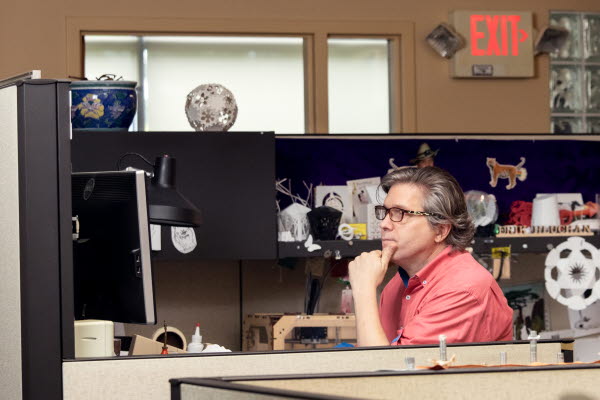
x=439 y=287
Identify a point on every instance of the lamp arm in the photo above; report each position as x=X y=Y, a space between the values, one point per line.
x=132 y=154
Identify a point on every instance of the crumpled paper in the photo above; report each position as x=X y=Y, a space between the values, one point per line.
x=214 y=348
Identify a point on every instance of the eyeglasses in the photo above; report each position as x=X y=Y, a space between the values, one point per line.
x=397 y=214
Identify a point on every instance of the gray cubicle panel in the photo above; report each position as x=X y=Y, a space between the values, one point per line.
x=10 y=291
x=217 y=389
x=36 y=254
x=112 y=378
x=230 y=176
x=567 y=381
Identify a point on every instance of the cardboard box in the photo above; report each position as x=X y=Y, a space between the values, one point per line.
x=141 y=345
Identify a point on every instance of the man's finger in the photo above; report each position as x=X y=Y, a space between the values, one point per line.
x=386 y=255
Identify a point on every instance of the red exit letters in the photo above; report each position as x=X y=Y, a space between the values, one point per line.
x=497 y=25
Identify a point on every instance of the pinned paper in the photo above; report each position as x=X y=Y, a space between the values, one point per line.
x=155 y=237
x=360 y=196
x=359 y=231
x=338 y=197
x=373 y=224
x=184 y=239
x=501 y=262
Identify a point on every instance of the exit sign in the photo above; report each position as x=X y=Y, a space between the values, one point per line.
x=499 y=44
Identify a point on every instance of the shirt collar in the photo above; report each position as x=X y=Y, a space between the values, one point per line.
x=427 y=273
x=404 y=276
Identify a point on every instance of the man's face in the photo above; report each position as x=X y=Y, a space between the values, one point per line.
x=413 y=237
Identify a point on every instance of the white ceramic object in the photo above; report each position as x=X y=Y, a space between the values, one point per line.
x=211 y=107
x=545 y=211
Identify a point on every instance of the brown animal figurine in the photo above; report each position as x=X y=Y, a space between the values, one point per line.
x=510 y=172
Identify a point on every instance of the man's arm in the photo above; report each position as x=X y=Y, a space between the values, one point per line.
x=369 y=331
x=366 y=274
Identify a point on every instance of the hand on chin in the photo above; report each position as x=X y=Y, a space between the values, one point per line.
x=389 y=246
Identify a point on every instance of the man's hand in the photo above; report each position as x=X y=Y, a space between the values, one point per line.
x=368 y=270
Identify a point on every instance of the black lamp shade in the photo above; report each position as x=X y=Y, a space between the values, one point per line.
x=166 y=205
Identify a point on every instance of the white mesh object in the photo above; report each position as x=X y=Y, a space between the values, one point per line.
x=576 y=264
x=283 y=235
x=294 y=220
x=481 y=207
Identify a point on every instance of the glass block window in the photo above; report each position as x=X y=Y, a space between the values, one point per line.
x=575 y=75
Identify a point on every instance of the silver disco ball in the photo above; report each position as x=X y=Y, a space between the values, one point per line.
x=211 y=107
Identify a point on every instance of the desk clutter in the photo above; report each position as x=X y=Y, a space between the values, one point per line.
x=278 y=331
x=96 y=338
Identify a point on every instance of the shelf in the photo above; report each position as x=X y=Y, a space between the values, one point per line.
x=347 y=249
x=481 y=245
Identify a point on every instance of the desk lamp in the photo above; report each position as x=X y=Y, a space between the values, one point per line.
x=166 y=205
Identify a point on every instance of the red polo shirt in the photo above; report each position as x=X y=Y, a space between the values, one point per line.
x=453 y=295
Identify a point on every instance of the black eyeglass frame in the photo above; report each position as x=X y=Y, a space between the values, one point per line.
x=387 y=211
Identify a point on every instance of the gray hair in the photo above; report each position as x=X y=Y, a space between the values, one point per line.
x=443 y=197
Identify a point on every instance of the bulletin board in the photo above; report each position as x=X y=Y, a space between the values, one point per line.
x=553 y=166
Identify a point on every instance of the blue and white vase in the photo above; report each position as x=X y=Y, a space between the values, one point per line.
x=103 y=104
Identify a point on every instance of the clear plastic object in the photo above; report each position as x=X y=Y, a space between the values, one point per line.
x=196 y=345
x=482 y=207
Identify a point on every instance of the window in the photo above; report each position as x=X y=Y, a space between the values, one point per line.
x=265 y=75
x=287 y=76
x=575 y=75
x=358 y=77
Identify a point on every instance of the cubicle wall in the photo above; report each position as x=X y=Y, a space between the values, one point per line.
x=10 y=282
x=147 y=377
x=35 y=243
x=551 y=163
x=543 y=383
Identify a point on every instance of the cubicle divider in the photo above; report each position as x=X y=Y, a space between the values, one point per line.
x=148 y=377
x=568 y=381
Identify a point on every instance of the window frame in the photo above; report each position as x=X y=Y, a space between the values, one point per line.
x=315 y=34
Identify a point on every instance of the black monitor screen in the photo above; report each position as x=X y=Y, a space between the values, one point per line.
x=111 y=253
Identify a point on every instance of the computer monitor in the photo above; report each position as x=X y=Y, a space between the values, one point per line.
x=112 y=269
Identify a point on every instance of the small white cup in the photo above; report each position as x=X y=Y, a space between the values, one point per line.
x=545 y=211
